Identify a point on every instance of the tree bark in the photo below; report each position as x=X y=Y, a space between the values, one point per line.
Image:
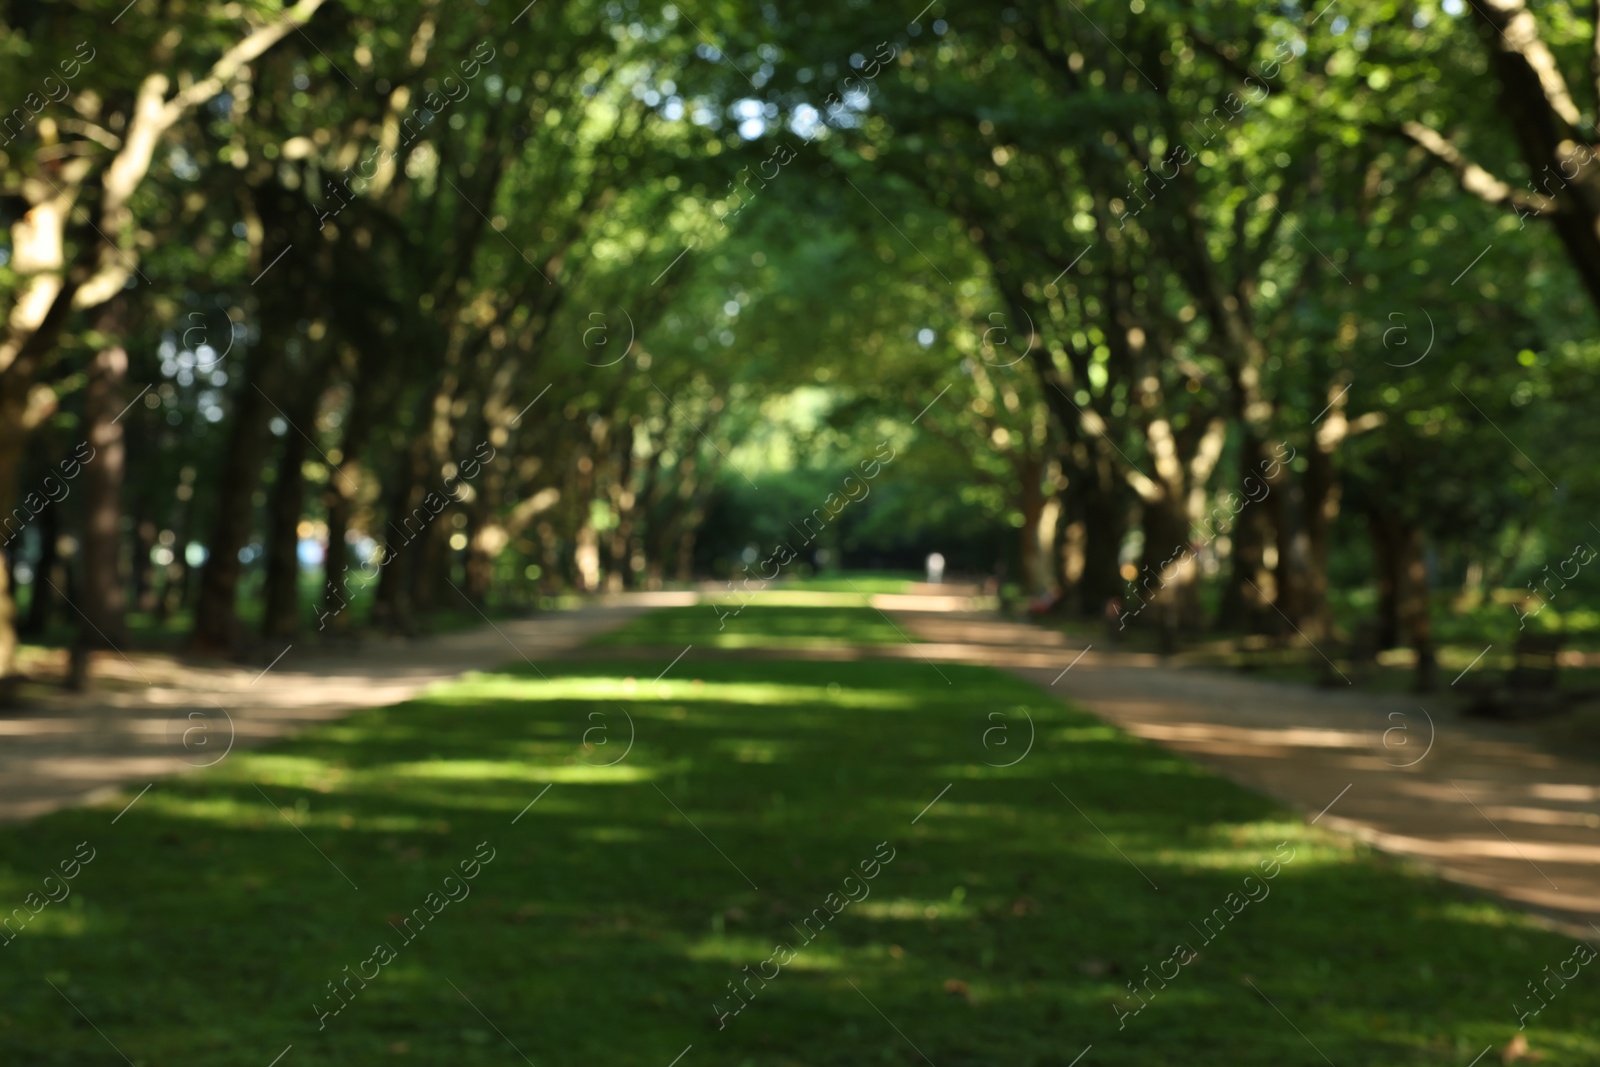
x=1289 y=570
x=1066 y=549
x=1386 y=555
x=392 y=606
x=1321 y=507
x=1415 y=614
x=280 y=615
x=1105 y=518
x=1166 y=581
x=1034 y=575
x=1247 y=598
x=216 y=616
x=104 y=604
x=42 y=604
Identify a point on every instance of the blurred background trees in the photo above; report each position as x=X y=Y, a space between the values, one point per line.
x=345 y=314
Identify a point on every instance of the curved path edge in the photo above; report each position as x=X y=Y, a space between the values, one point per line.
x=154 y=715
x=1477 y=803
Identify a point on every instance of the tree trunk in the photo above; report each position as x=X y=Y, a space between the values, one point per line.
x=1105 y=518
x=1321 y=508
x=176 y=582
x=1415 y=616
x=335 y=563
x=1547 y=128
x=13 y=442
x=1386 y=552
x=42 y=604
x=586 y=556
x=1166 y=580
x=432 y=574
x=13 y=557
x=686 y=539
x=478 y=565
x=1289 y=569
x=1034 y=575
x=104 y=603
x=280 y=616
x=1248 y=597
x=142 y=581
x=392 y=606
x=216 y=616
x=38 y=312
x=1066 y=557
x=339 y=499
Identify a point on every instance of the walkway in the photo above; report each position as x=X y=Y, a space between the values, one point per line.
x=151 y=715
x=1476 y=802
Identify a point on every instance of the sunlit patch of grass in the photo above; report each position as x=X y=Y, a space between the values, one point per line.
x=1479 y=913
x=759 y=625
x=1081 y=734
x=533 y=690
x=905 y=909
x=750 y=750
x=611 y=835
x=722 y=948
x=501 y=770
x=60 y=920
x=779 y=597
x=863 y=581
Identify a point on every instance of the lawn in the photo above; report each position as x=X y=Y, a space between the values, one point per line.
x=1002 y=923
x=776 y=619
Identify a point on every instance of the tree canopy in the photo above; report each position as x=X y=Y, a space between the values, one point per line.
x=1192 y=314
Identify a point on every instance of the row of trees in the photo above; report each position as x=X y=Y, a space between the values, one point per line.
x=489 y=298
x=1219 y=238
x=341 y=252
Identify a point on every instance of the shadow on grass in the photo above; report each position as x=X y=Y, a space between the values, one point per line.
x=619 y=907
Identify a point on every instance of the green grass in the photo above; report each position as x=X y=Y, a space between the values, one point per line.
x=858 y=582
x=607 y=925
x=765 y=622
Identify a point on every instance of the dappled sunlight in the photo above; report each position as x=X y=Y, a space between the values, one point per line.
x=609 y=835
x=747 y=800
x=250 y=811
x=594 y=491
x=762 y=624
x=502 y=770
x=751 y=750
x=670 y=690
x=65 y=920
x=903 y=908
x=780 y=597
x=278 y=768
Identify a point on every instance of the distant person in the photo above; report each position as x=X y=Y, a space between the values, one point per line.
x=935 y=568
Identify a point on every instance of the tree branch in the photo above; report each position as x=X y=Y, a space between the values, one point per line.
x=1519 y=32
x=1471 y=177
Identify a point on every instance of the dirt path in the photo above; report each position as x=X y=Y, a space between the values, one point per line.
x=1480 y=805
x=151 y=715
